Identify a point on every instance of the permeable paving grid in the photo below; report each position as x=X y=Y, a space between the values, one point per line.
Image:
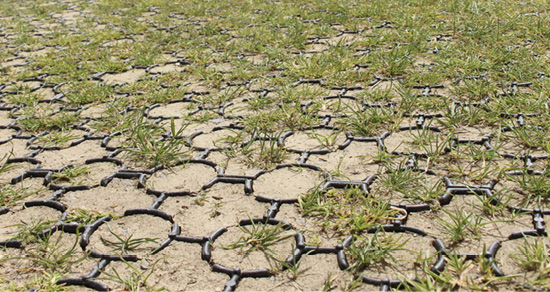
x=274 y=145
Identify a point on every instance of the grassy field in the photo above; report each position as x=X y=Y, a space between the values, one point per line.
x=274 y=145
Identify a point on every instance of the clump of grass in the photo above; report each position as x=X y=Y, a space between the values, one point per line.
x=283 y=118
x=46 y=253
x=29 y=232
x=86 y=92
x=10 y=194
x=55 y=138
x=460 y=225
x=83 y=216
x=532 y=256
x=368 y=122
x=534 y=188
x=376 y=249
x=137 y=279
x=259 y=237
x=459 y=273
x=412 y=185
x=147 y=145
x=432 y=143
x=50 y=257
x=531 y=137
x=71 y=175
x=34 y=119
x=122 y=245
x=266 y=154
x=114 y=118
x=456 y=116
x=347 y=211
x=4 y=165
x=325 y=140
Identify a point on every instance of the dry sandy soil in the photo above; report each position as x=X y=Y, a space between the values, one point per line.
x=226 y=217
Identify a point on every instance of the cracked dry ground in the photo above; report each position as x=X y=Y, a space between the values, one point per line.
x=274 y=145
